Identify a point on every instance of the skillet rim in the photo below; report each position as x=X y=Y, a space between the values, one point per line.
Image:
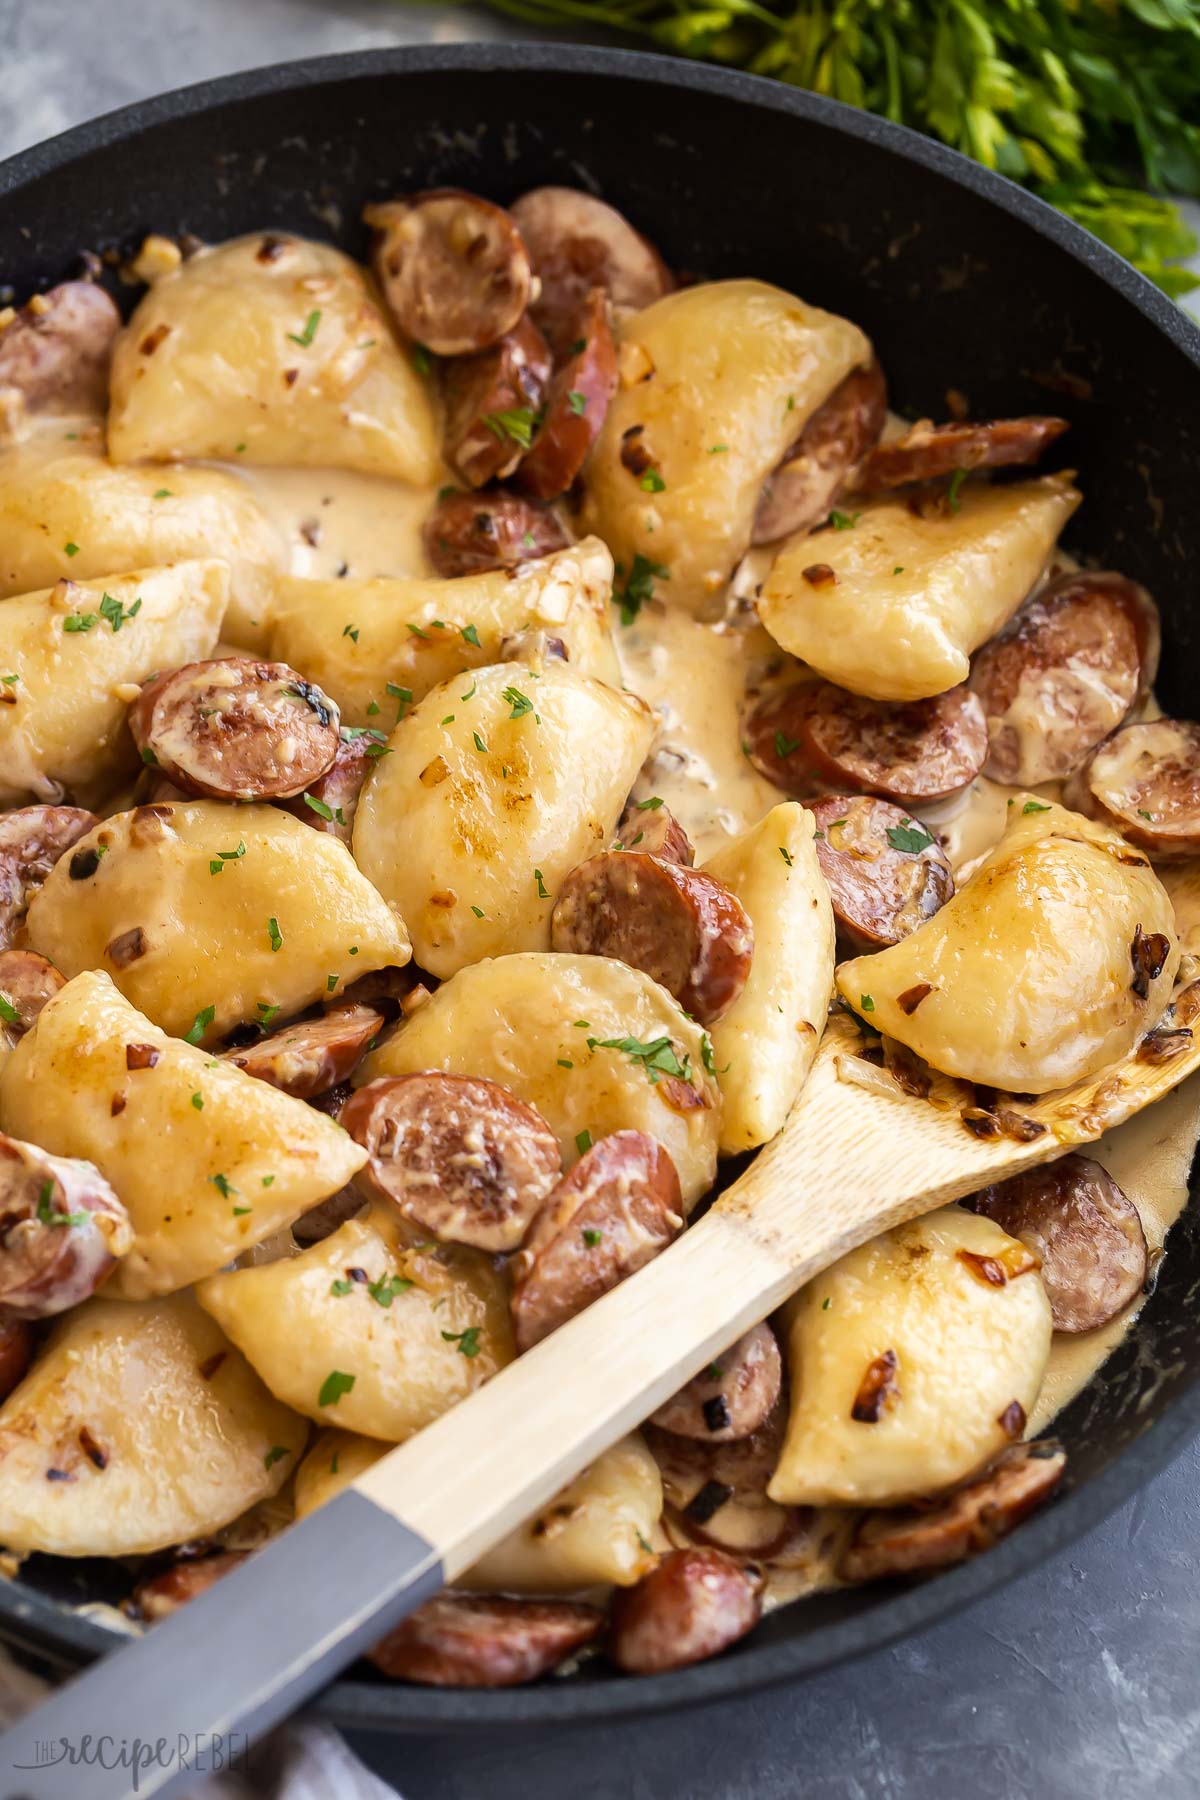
x=36 y=1623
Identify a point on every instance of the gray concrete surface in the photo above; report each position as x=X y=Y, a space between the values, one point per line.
x=1078 y=1682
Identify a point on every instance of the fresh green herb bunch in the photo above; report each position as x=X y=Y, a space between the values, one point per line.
x=1083 y=100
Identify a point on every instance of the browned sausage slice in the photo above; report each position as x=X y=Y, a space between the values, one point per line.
x=31 y=841
x=185 y=1580
x=236 y=729
x=576 y=404
x=815 y=470
x=1145 y=781
x=887 y=873
x=485 y=1641
x=614 y=1211
x=813 y=738
x=577 y=243
x=692 y=1606
x=16 y=1350
x=467 y=533
x=1063 y=674
x=27 y=982
x=927 y=451
x=312 y=1055
x=61 y=1230
x=652 y=829
x=716 y=1493
x=57 y=349
x=1087 y=1232
x=453 y=269
x=330 y=802
x=730 y=1398
x=492 y=404
x=910 y=1539
x=460 y=1156
x=681 y=926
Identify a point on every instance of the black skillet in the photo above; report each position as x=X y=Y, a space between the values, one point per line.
x=961 y=280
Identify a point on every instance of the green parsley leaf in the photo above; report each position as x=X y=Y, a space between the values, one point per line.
x=784 y=746
x=843 y=521
x=223 y=1185
x=341 y=1287
x=46 y=1214
x=583 y=1141
x=470 y=694
x=268 y=1181
x=1143 y=814
x=149 y=758
x=786 y=855
x=899 y=569
x=163 y=494
x=116 y=613
x=71 y=549
x=478 y=911
x=479 y=743
x=200 y=1025
x=592 y=1237
x=657 y=1055
x=470 y=635
x=275 y=1454
x=422 y=363
x=467 y=1341
x=577 y=402
x=865 y=1003
x=198 y=1102
x=826 y=1303
x=384 y=1291
x=653 y=482
x=82 y=622
x=350 y=631
x=304 y=338
x=650 y=805
x=240 y=1211
x=10 y=680
x=565 y=1062
x=520 y=703
x=956 y=481
x=8 y=1011
x=331 y=982
x=318 y=806
x=543 y=890
x=372 y=708
x=910 y=837
x=1036 y=806
x=717 y=449
x=639 y=587
x=517 y=423
x=266 y=1013
x=333 y=1387
x=274 y=933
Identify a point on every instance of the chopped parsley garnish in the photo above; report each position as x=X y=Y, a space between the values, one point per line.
x=449 y=719
x=372 y=709
x=639 y=587
x=899 y=569
x=198 y=1102
x=520 y=703
x=478 y=911
x=470 y=635
x=223 y=1185
x=275 y=1454
x=331 y=982
x=333 y=1387
x=865 y=1003
x=274 y=933
x=10 y=680
x=1143 y=814
x=517 y=423
x=591 y=1237
x=46 y=1214
x=653 y=482
x=71 y=549
x=784 y=746
x=223 y=856
x=200 y=1025
x=467 y=1341
x=826 y=1303
x=956 y=481
x=163 y=494
x=479 y=743
x=79 y=621
x=909 y=837
x=1035 y=806
x=843 y=521
x=583 y=1141
x=708 y=1055
x=422 y=364
x=577 y=402
x=543 y=890
x=8 y=1011
x=384 y=1291
x=268 y=1180
x=116 y=613
x=657 y=1056
x=149 y=758
x=786 y=855
x=415 y=629
x=318 y=806
x=470 y=694
x=564 y=1062
x=267 y=1013
x=240 y=1211
x=650 y=805
x=717 y=449
x=350 y=631
x=341 y=1287
x=304 y=338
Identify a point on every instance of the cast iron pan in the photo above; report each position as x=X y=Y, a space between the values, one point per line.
x=962 y=281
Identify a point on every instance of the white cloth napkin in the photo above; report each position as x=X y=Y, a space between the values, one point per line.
x=300 y=1761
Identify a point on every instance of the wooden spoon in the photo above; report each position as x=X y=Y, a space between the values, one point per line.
x=852 y=1161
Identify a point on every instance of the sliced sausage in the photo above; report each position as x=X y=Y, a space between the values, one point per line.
x=31 y=841
x=453 y=269
x=693 y=1605
x=681 y=926
x=61 y=1230
x=57 y=349
x=314 y=1054
x=459 y=1156
x=576 y=403
x=16 y=1352
x=730 y=1398
x=577 y=243
x=390 y=990
x=467 y=533
x=1145 y=781
x=1063 y=674
x=815 y=469
x=236 y=729
x=27 y=982
x=613 y=1212
x=1087 y=1232
x=485 y=1641
x=909 y=1540
x=716 y=1492
x=165 y=1593
x=887 y=874
x=651 y=828
x=492 y=402
x=927 y=451
x=330 y=802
